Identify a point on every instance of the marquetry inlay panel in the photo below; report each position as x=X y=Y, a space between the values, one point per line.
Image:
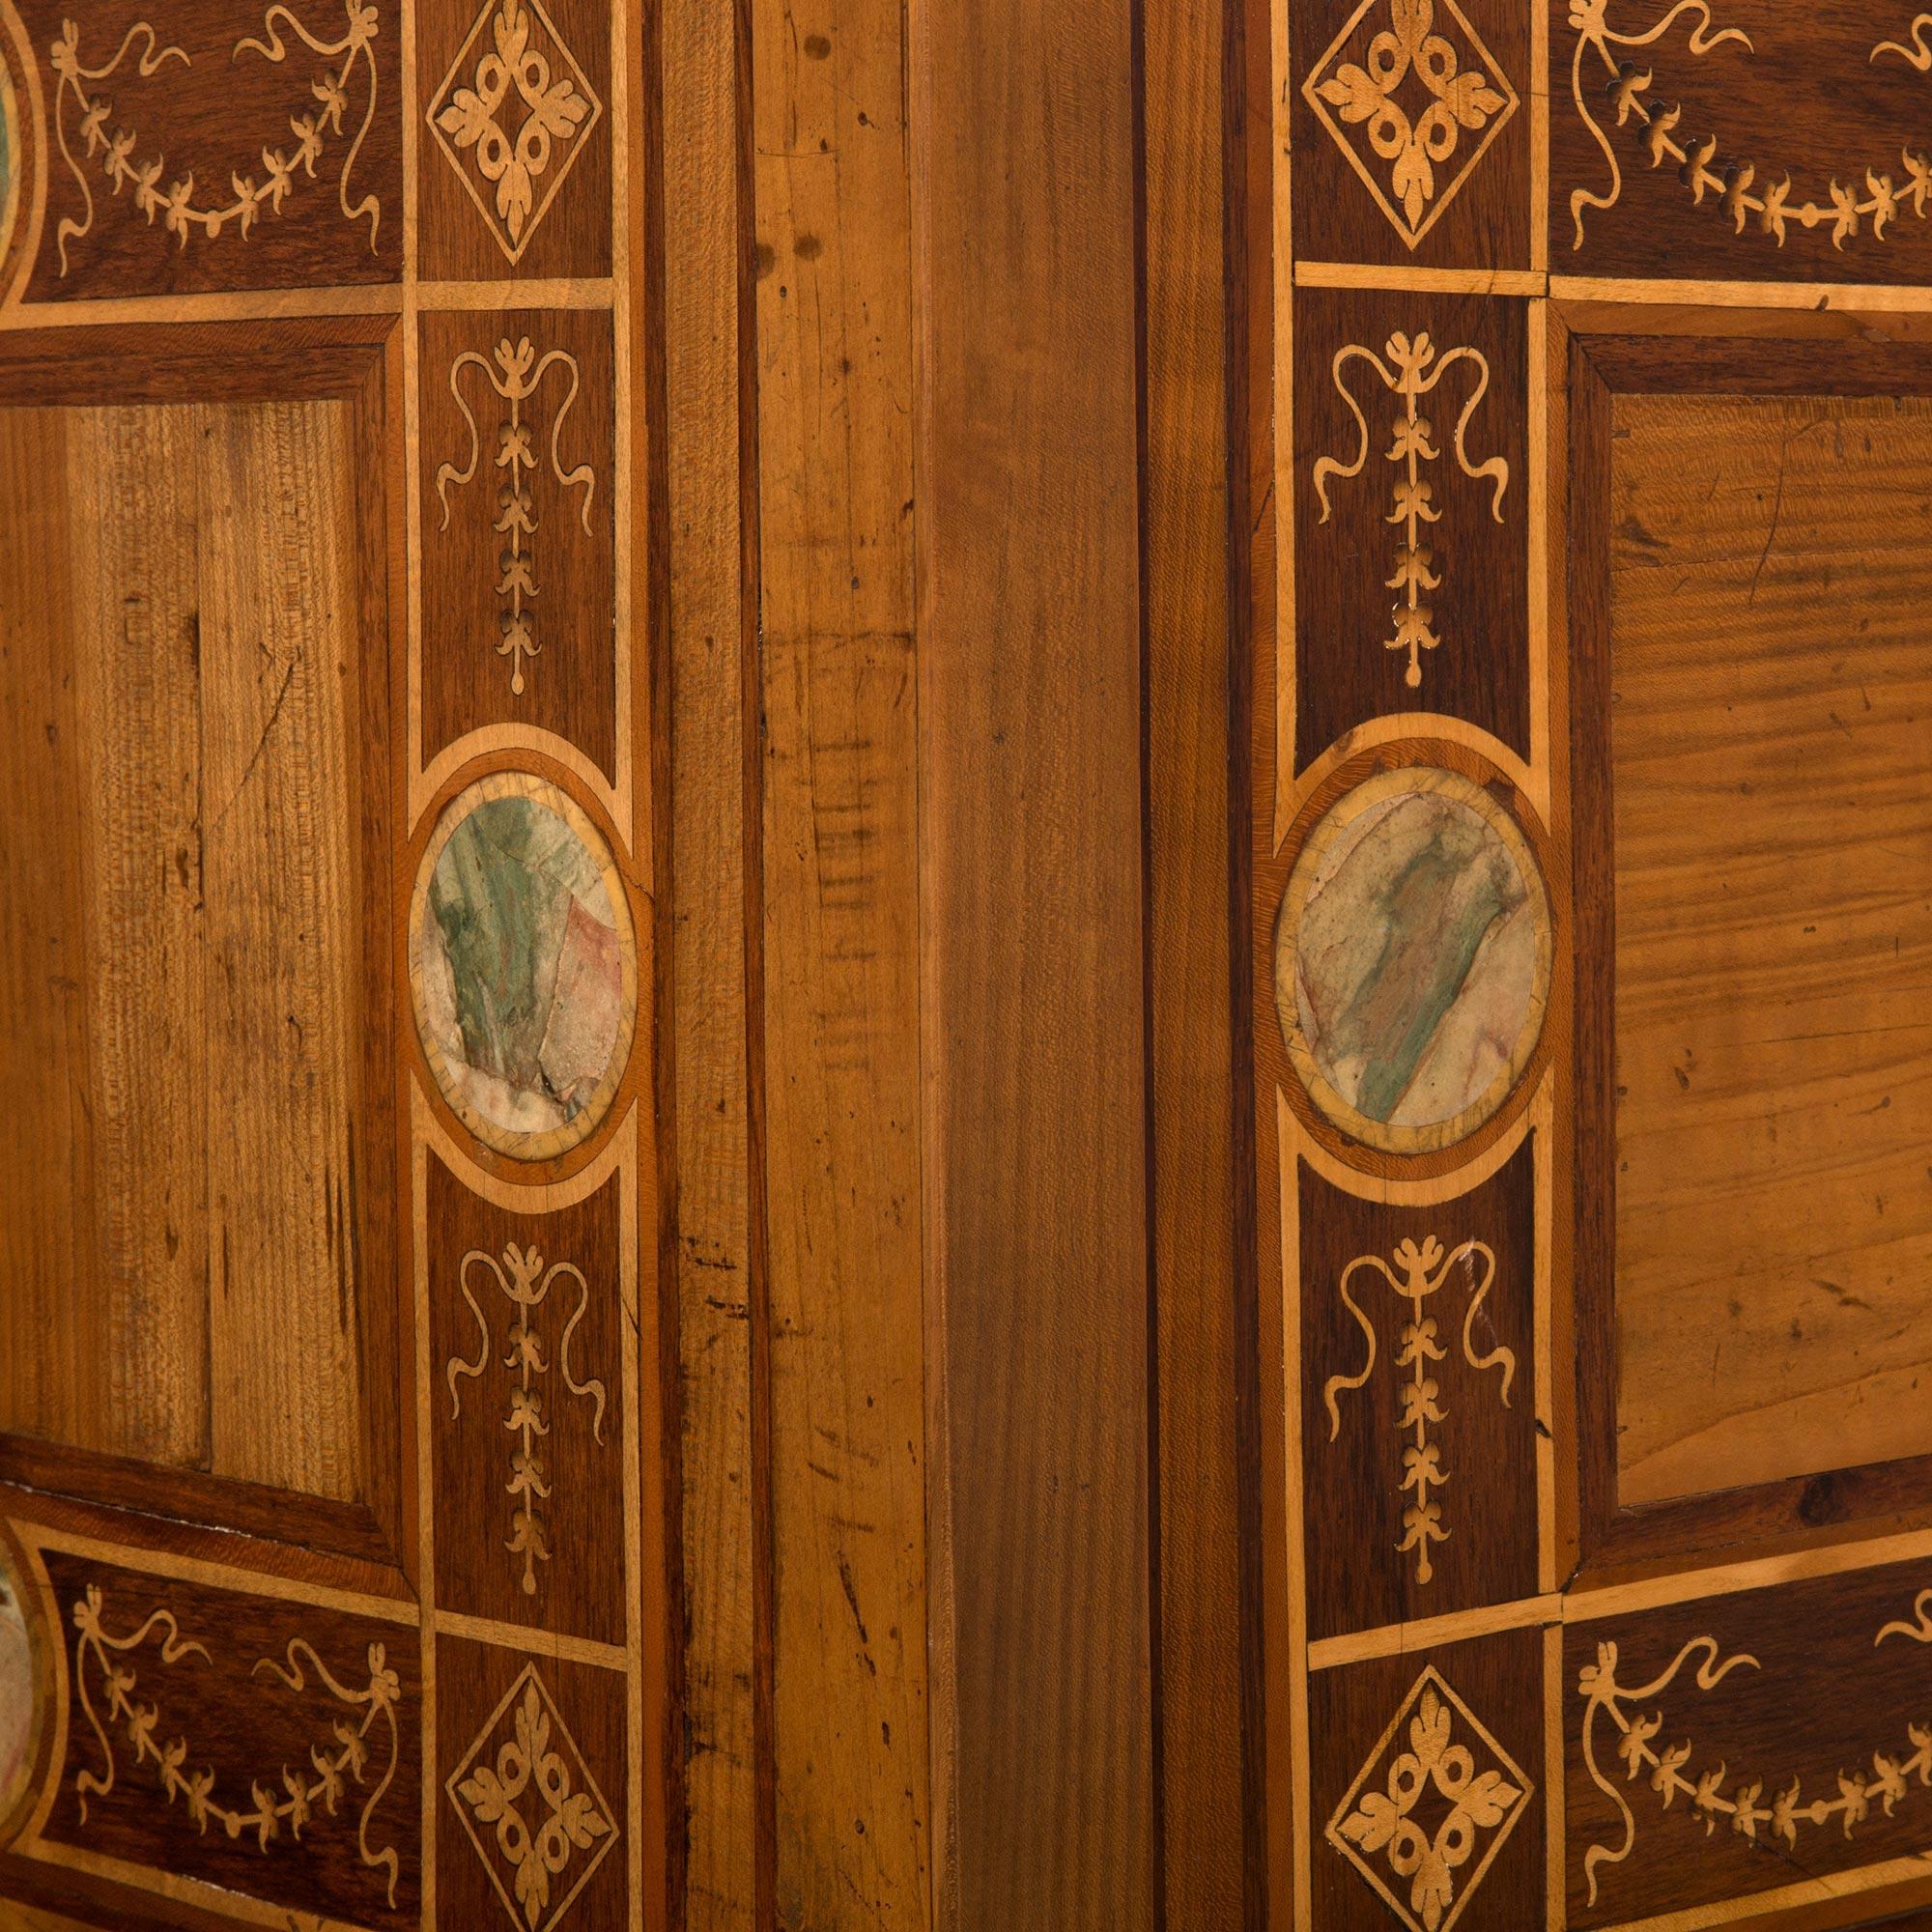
x=1412 y=510
x=1418 y=1399
x=519 y=507
x=529 y=1407
x=217 y=144
x=1426 y=1776
x=1412 y=130
x=515 y=130
x=1594 y=407
x=530 y=1827
x=1715 y=1746
x=1738 y=139
x=236 y=1742
x=330 y=1369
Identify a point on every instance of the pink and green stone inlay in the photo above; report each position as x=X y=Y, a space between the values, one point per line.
x=520 y=969
x=1414 y=960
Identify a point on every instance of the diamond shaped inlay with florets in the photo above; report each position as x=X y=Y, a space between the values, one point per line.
x=1429 y=1808
x=512 y=116
x=1401 y=103
x=531 y=1807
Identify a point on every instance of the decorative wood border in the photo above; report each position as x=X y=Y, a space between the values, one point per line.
x=32 y=1849
x=258 y=343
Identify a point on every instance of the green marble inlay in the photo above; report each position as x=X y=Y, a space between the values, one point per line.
x=6 y=150
x=531 y=969
x=1415 y=959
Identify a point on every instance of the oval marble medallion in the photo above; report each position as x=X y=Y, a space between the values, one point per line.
x=12 y=157
x=524 y=965
x=23 y=1694
x=1413 y=960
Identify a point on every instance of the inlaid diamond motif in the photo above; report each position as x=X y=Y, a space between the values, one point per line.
x=513 y=113
x=1400 y=88
x=531 y=1807
x=1431 y=1807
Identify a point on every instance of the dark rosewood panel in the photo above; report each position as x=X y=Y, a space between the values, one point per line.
x=1750 y=142
x=218 y=144
x=515 y=141
x=519 y=591
x=1719 y=1748
x=526 y=1409
x=1425 y=1788
x=533 y=1804
x=1419 y=1448
x=256 y=1745
x=1409 y=122
x=1428 y=540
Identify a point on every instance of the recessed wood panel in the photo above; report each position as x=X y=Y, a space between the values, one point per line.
x=1772 y=794
x=180 y=937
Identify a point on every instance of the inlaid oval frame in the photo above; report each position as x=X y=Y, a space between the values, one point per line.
x=21 y=1786
x=464 y=797
x=1328 y=817
x=23 y=185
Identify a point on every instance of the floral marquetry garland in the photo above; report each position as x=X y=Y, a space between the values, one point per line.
x=1411 y=371
x=1751 y=1807
x=1424 y=1271
x=1733 y=186
x=274 y=1809
x=116 y=145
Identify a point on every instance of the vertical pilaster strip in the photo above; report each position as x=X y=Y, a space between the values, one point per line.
x=1036 y=1082
x=1195 y=1180
x=840 y=934
x=698 y=136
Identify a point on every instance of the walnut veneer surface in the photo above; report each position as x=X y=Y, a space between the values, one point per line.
x=1773 y=797
x=178 y=919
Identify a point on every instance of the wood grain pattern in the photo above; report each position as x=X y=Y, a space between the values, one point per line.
x=708 y=607
x=1774 y=936
x=205 y=124
x=1479 y=548
x=840 y=1049
x=1031 y=722
x=1200 y=1178
x=1708 y=356
x=217 y=666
